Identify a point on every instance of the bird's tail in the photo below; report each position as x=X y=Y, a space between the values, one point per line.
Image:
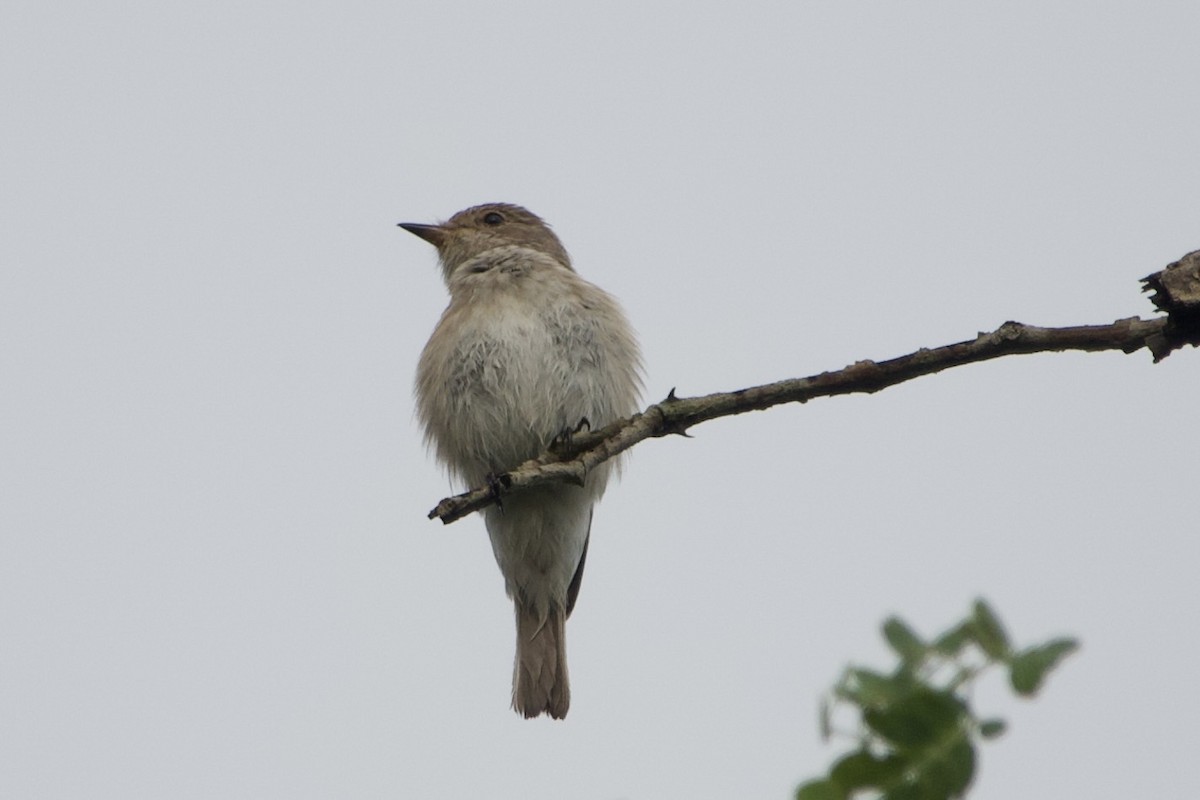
x=540 y=683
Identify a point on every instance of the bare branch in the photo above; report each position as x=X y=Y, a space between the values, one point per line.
x=571 y=463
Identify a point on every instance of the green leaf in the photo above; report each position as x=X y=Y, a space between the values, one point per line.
x=952 y=641
x=1029 y=668
x=992 y=728
x=825 y=719
x=868 y=689
x=903 y=640
x=988 y=632
x=949 y=774
x=863 y=770
x=820 y=790
x=905 y=791
x=960 y=767
x=924 y=716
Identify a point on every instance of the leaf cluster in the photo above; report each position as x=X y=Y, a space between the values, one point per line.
x=916 y=736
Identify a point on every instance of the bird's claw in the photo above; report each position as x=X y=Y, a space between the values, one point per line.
x=562 y=442
x=497 y=484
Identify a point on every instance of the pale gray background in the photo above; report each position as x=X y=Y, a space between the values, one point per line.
x=217 y=579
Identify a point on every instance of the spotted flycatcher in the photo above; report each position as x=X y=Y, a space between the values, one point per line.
x=525 y=351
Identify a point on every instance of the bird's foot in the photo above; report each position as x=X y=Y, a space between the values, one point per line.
x=497 y=484
x=562 y=442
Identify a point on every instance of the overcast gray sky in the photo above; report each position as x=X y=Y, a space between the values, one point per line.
x=216 y=577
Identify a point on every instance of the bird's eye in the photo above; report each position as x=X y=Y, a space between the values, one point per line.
x=493 y=218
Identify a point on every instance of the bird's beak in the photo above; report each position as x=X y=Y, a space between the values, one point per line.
x=430 y=233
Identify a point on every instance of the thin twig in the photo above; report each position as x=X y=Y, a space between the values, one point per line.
x=674 y=415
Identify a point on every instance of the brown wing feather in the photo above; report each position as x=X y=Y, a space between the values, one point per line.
x=577 y=578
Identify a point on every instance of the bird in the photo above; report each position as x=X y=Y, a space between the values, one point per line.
x=526 y=352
